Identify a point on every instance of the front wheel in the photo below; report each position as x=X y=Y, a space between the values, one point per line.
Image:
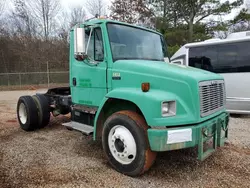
x=125 y=143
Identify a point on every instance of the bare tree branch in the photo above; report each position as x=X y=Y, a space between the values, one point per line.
x=45 y=12
x=77 y=15
x=96 y=7
x=2 y=7
x=22 y=20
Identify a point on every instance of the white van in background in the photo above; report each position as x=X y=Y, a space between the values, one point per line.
x=229 y=57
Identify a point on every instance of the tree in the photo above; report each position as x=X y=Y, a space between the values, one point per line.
x=164 y=8
x=131 y=11
x=247 y=3
x=2 y=6
x=167 y=14
x=69 y=19
x=195 y=11
x=77 y=16
x=22 y=19
x=220 y=29
x=45 y=12
x=241 y=22
x=96 y=7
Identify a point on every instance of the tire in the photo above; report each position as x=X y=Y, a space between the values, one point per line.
x=27 y=113
x=125 y=143
x=43 y=110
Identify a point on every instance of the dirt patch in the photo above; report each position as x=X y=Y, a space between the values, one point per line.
x=232 y=147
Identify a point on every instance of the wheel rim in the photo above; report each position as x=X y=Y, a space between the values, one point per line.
x=122 y=144
x=22 y=113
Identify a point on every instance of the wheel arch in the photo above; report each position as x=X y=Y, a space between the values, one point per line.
x=110 y=106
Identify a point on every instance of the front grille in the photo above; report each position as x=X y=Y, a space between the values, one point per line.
x=212 y=96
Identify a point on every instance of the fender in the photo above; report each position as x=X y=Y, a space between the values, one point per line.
x=150 y=105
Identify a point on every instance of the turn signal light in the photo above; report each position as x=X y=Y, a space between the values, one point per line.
x=145 y=87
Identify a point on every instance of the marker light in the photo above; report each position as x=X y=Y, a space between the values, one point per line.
x=145 y=87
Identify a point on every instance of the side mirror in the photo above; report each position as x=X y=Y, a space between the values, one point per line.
x=79 y=43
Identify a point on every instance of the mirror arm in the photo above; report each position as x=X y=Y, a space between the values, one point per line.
x=89 y=40
x=86 y=57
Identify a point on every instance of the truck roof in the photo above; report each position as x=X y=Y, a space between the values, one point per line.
x=101 y=21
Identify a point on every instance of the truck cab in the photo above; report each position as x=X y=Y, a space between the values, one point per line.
x=123 y=92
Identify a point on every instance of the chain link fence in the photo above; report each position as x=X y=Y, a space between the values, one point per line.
x=50 y=74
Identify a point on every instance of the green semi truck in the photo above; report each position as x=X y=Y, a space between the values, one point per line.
x=123 y=92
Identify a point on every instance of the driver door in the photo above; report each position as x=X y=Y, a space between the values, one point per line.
x=88 y=80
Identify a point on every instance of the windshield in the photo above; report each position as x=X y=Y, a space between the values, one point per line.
x=133 y=43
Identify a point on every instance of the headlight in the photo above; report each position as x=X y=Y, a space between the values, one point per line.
x=168 y=108
x=165 y=107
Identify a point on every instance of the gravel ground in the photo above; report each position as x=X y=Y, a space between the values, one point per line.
x=56 y=157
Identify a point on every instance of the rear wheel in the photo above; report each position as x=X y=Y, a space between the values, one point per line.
x=27 y=113
x=43 y=110
x=125 y=143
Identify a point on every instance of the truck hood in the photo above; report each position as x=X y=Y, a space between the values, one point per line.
x=168 y=82
x=162 y=69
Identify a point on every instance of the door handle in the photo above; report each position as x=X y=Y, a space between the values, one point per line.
x=74 y=81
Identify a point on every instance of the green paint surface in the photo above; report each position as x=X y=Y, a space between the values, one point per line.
x=85 y=102
x=167 y=83
x=158 y=137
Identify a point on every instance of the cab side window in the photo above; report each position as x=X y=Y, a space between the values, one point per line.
x=95 y=49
